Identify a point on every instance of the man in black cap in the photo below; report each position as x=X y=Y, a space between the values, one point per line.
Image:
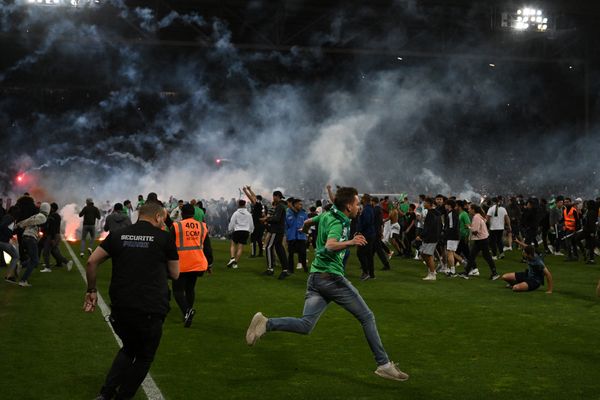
x=276 y=226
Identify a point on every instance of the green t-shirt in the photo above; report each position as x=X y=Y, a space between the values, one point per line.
x=464 y=221
x=198 y=214
x=333 y=224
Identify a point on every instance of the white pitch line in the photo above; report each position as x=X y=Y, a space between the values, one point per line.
x=149 y=386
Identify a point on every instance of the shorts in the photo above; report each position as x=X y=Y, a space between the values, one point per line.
x=452 y=245
x=240 y=237
x=532 y=284
x=428 y=248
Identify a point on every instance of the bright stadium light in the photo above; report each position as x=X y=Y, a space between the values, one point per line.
x=525 y=19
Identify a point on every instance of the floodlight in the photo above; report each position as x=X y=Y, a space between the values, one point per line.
x=519 y=12
x=538 y=19
x=545 y=20
x=539 y=12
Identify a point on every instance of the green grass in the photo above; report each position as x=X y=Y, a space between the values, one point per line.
x=457 y=339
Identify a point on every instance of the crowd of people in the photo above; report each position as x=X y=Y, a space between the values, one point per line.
x=160 y=241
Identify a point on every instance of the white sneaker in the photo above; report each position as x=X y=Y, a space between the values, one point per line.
x=299 y=266
x=506 y=248
x=46 y=270
x=257 y=328
x=234 y=265
x=494 y=258
x=417 y=255
x=90 y=251
x=24 y=284
x=81 y=255
x=474 y=272
x=451 y=271
x=597 y=251
x=69 y=265
x=430 y=277
x=558 y=253
x=391 y=371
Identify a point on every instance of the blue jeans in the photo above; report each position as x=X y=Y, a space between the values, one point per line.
x=85 y=229
x=30 y=245
x=322 y=289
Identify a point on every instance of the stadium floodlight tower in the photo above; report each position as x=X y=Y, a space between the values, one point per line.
x=526 y=19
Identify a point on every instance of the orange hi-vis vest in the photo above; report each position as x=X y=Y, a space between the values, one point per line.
x=570 y=220
x=189 y=238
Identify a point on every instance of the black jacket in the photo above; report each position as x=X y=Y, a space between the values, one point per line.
x=432 y=227
x=90 y=214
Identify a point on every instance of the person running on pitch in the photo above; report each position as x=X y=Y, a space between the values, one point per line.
x=326 y=283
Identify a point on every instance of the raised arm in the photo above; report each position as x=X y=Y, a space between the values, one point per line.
x=249 y=194
x=330 y=194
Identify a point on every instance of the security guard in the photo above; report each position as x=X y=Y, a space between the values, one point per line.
x=195 y=257
x=143 y=258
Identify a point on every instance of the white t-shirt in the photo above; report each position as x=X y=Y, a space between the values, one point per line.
x=497 y=222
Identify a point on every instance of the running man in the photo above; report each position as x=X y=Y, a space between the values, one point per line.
x=326 y=283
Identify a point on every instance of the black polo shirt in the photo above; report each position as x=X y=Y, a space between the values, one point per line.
x=140 y=253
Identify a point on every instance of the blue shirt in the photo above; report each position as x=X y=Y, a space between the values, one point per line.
x=535 y=269
x=293 y=223
x=366 y=222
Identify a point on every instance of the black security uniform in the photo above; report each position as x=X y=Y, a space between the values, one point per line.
x=139 y=301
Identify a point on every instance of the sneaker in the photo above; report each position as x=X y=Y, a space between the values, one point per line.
x=494 y=276
x=590 y=262
x=231 y=262
x=11 y=279
x=506 y=248
x=451 y=271
x=81 y=255
x=365 y=277
x=189 y=315
x=268 y=272
x=257 y=328
x=500 y=256
x=391 y=371
x=70 y=265
x=494 y=258
x=597 y=251
x=416 y=255
x=299 y=266
x=24 y=284
x=474 y=272
x=430 y=277
x=283 y=275
x=90 y=251
x=390 y=255
x=463 y=275
x=235 y=266
x=558 y=253
x=46 y=269
x=508 y=286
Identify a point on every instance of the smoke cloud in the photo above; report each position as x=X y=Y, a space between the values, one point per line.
x=297 y=119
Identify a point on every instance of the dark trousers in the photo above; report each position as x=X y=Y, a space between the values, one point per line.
x=256 y=237
x=297 y=246
x=275 y=245
x=409 y=237
x=463 y=248
x=51 y=247
x=184 y=290
x=140 y=334
x=382 y=252
x=496 y=241
x=484 y=247
x=590 y=243
x=365 y=256
x=571 y=244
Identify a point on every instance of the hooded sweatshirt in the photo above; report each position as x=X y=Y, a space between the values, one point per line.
x=241 y=220
x=33 y=223
x=116 y=220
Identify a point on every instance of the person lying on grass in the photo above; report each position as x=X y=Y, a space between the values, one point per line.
x=533 y=277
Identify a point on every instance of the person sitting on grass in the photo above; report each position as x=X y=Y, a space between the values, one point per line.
x=533 y=277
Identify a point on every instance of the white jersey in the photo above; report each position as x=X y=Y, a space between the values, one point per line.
x=497 y=218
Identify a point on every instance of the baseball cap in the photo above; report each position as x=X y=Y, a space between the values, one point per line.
x=278 y=194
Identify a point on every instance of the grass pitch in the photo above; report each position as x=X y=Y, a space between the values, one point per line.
x=457 y=339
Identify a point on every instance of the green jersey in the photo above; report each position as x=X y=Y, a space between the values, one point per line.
x=333 y=224
x=198 y=214
x=464 y=221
